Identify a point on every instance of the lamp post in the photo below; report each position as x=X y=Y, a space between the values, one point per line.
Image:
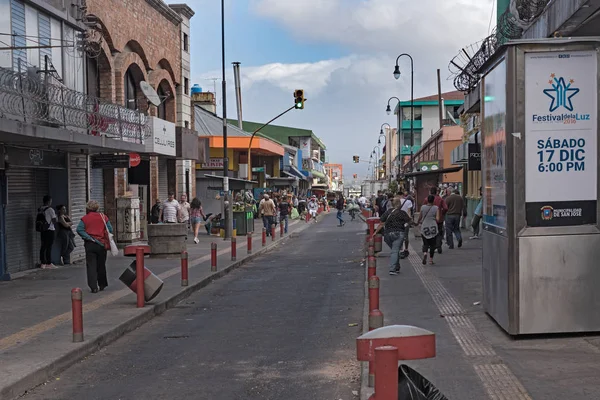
x=388 y=160
x=385 y=146
x=412 y=101
x=226 y=198
x=378 y=154
x=388 y=110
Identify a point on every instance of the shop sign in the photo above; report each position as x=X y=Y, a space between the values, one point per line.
x=22 y=157
x=134 y=160
x=561 y=160
x=162 y=139
x=474 y=157
x=258 y=169
x=110 y=161
x=213 y=163
x=429 y=165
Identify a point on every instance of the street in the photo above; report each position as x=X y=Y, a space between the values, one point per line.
x=280 y=327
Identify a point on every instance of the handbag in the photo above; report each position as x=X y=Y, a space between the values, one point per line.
x=114 y=250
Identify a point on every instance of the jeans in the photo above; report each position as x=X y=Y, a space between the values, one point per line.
x=284 y=219
x=339 y=217
x=47 y=239
x=453 y=227
x=394 y=240
x=95 y=260
x=267 y=222
x=475 y=224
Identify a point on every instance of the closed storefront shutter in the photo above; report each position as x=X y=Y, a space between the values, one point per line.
x=77 y=199
x=97 y=186
x=163 y=182
x=26 y=189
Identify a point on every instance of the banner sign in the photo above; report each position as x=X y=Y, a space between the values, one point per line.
x=561 y=159
x=474 y=161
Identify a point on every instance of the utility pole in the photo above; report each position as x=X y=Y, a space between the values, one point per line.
x=227 y=203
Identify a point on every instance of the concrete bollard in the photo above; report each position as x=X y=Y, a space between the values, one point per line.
x=233 y=249
x=273 y=232
x=371 y=267
x=77 y=314
x=264 y=237
x=375 y=322
x=249 y=243
x=374 y=293
x=184 y=268
x=213 y=257
x=139 y=273
x=281 y=228
x=386 y=365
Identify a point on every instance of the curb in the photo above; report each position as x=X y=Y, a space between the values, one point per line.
x=44 y=373
x=365 y=390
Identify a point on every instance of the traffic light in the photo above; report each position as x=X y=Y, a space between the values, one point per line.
x=355 y=176
x=299 y=99
x=355 y=159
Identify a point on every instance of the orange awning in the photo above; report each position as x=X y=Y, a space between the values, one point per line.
x=259 y=145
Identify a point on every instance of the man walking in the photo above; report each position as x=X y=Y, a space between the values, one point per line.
x=340 y=210
x=284 y=212
x=171 y=210
x=406 y=205
x=267 y=210
x=456 y=206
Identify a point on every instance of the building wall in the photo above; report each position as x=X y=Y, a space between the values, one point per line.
x=431 y=122
x=448 y=146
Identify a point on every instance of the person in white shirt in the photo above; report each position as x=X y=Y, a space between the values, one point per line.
x=171 y=210
x=313 y=207
x=184 y=215
x=406 y=206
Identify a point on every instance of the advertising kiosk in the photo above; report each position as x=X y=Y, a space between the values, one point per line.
x=541 y=238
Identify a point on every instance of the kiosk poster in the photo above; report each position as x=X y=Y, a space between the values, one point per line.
x=561 y=120
x=494 y=148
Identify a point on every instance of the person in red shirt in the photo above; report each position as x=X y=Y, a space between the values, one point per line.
x=443 y=207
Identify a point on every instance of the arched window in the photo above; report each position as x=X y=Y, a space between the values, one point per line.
x=131 y=90
x=162 y=108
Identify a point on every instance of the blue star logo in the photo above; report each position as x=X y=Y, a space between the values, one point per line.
x=561 y=93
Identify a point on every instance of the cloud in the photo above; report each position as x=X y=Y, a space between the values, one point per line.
x=347 y=95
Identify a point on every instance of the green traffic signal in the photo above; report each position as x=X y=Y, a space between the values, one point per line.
x=299 y=99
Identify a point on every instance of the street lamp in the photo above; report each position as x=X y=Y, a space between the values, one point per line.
x=228 y=222
x=399 y=132
x=377 y=159
x=412 y=101
x=382 y=125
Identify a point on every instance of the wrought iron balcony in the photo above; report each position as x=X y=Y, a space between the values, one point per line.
x=27 y=97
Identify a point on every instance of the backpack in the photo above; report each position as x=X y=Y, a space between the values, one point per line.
x=41 y=224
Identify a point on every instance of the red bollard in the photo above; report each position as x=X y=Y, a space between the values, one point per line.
x=249 y=245
x=213 y=257
x=139 y=273
x=281 y=226
x=77 y=314
x=264 y=237
x=373 y=293
x=375 y=321
x=386 y=365
x=307 y=217
x=371 y=267
x=184 y=268
x=233 y=249
x=273 y=232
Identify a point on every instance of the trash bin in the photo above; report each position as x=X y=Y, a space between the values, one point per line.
x=413 y=386
x=152 y=283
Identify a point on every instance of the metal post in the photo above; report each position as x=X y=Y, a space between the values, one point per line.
x=233 y=249
x=77 y=314
x=264 y=237
x=238 y=92
x=139 y=276
x=273 y=232
x=227 y=220
x=386 y=365
x=412 y=110
x=249 y=245
x=184 y=268
x=213 y=257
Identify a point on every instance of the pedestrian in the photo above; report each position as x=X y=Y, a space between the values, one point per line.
x=456 y=206
x=64 y=235
x=284 y=212
x=340 y=210
x=443 y=207
x=184 y=207
x=393 y=223
x=407 y=207
x=267 y=210
x=429 y=219
x=170 y=210
x=155 y=212
x=45 y=224
x=196 y=217
x=313 y=208
x=477 y=214
x=93 y=229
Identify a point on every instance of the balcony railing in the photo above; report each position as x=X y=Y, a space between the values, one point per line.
x=24 y=96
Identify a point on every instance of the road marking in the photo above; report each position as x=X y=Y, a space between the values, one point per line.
x=37 y=329
x=498 y=380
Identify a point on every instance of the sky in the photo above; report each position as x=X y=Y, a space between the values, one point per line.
x=341 y=52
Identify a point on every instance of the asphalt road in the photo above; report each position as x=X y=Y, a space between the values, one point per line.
x=278 y=328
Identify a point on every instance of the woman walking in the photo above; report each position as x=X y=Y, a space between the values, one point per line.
x=394 y=222
x=93 y=229
x=64 y=235
x=196 y=217
x=429 y=219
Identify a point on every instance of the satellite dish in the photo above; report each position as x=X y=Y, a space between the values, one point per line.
x=150 y=93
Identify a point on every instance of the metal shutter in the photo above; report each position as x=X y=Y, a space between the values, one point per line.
x=26 y=189
x=77 y=199
x=97 y=186
x=163 y=181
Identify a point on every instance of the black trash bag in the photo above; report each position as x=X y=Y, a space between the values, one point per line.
x=413 y=386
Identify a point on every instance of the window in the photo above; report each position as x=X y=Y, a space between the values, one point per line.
x=455 y=112
x=186 y=42
x=418 y=113
x=44 y=33
x=130 y=90
x=162 y=108
x=186 y=86
x=186 y=124
x=17 y=27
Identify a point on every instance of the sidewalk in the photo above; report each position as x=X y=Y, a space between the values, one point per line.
x=475 y=358
x=35 y=328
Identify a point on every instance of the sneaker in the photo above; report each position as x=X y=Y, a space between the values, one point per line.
x=474 y=237
x=394 y=272
x=425 y=259
x=460 y=243
x=196 y=240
